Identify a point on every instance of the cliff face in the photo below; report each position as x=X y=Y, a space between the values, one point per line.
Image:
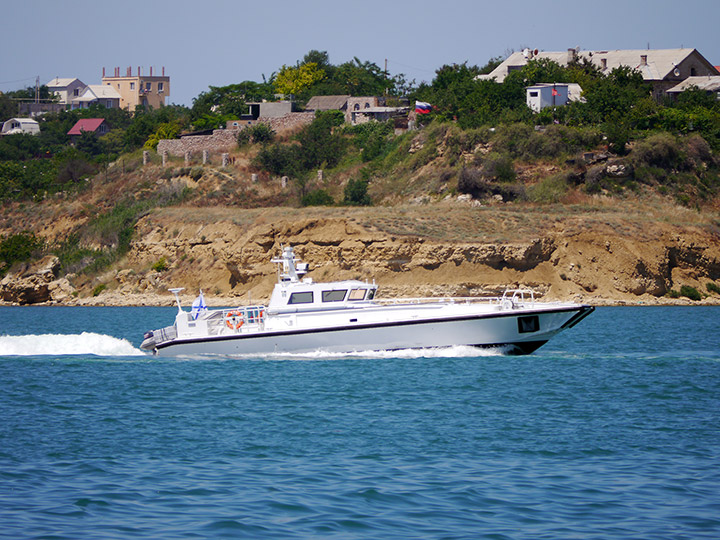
x=229 y=258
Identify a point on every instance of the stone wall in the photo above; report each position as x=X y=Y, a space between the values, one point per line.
x=224 y=140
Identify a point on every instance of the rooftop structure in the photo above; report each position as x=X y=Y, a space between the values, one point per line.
x=148 y=90
x=663 y=68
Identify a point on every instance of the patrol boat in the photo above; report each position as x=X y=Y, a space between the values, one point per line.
x=346 y=316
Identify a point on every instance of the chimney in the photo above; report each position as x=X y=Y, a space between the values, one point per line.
x=571 y=55
x=163 y=72
x=103 y=72
x=643 y=59
x=138 y=71
x=151 y=71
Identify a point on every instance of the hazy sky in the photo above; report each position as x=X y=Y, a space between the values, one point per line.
x=214 y=42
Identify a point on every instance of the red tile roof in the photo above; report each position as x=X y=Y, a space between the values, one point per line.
x=86 y=124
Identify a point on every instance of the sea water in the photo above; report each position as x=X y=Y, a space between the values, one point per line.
x=611 y=430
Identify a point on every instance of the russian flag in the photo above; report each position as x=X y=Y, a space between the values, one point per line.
x=422 y=108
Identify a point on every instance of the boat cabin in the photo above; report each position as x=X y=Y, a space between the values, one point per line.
x=293 y=293
x=308 y=296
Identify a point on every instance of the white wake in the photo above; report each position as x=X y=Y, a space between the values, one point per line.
x=459 y=351
x=66 y=344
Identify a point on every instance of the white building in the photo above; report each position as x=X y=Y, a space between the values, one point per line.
x=101 y=94
x=546 y=95
x=15 y=126
x=66 y=89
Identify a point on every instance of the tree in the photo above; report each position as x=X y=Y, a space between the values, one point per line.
x=8 y=108
x=615 y=94
x=167 y=130
x=230 y=100
x=295 y=80
x=319 y=146
x=355 y=193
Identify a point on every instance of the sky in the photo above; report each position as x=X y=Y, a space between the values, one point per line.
x=219 y=42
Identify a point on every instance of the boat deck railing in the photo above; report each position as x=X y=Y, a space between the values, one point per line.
x=234 y=320
x=511 y=299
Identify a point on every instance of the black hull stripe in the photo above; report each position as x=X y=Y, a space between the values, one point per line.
x=579 y=309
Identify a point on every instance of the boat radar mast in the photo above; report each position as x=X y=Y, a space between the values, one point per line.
x=292 y=270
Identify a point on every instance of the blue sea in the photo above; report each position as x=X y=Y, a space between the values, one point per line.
x=611 y=430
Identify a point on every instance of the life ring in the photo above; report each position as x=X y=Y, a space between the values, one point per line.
x=507 y=304
x=234 y=320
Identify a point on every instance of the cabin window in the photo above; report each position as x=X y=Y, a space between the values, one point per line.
x=528 y=324
x=334 y=296
x=357 y=294
x=301 y=298
x=371 y=294
x=533 y=94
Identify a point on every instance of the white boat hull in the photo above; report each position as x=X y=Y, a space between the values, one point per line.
x=518 y=331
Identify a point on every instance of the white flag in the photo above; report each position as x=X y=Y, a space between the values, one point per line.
x=198 y=306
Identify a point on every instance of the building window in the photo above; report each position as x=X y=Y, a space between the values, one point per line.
x=533 y=94
x=161 y=87
x=356 y=107
x=301 y=298
x=148 y=86
x=132 y=86
x=693 y=72
x=108 y=104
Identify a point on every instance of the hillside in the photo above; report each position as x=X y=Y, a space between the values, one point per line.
x=600 y=249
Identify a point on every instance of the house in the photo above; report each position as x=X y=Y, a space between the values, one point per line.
x=66 y=89
x=544 y=95
x=15 y=126
x=146 y=90
x=357 y=110
x=662 y=68
x=271 y=109
x=91 y=125
x=327 y=103
x=99 y=94
x=711 y=85
x=378 y=114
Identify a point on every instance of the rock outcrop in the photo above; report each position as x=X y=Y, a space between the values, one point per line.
x=36 y=283
x=229 y=258
x=232 y=262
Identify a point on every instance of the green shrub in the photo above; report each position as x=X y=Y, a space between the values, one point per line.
x=161 y=265
x=259 y=134
x=549 y=190
x=355 y=193
x=98 y=289
x=262 y=133
x=713 y=288
x=659 y=150
x=196 y=173
x=690 y=292
x=280 y=159
x=472 y=181
x=498 y=167
x=318 y=197
x=20 y=247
